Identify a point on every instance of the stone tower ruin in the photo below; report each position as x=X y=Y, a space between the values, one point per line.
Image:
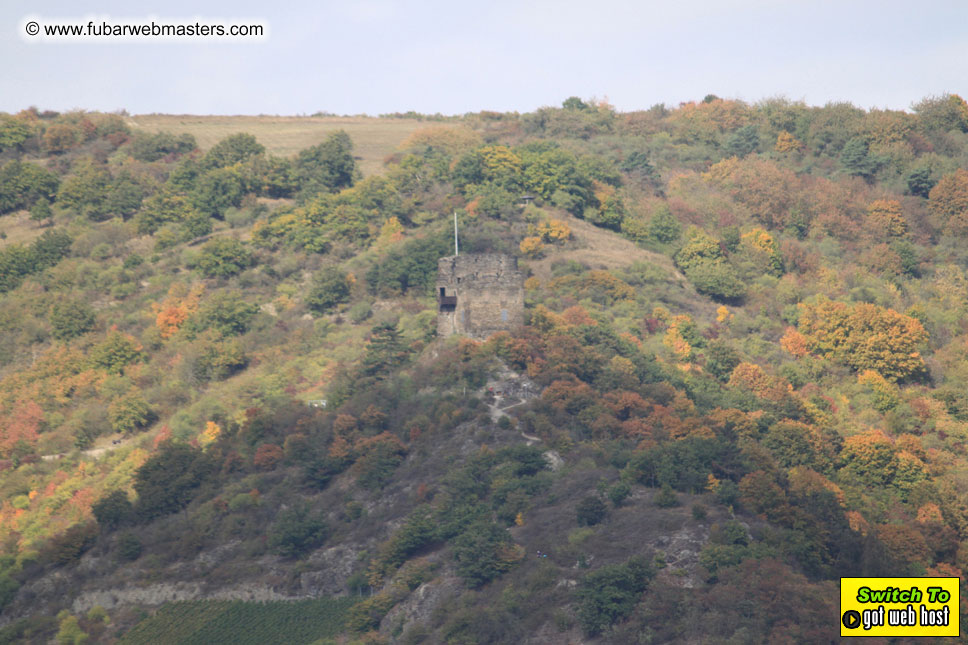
x=479 y=294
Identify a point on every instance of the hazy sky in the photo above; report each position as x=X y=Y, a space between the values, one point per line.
x=376 y=56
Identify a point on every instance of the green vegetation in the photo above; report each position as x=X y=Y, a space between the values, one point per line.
x=215 y=621
x=610 y=593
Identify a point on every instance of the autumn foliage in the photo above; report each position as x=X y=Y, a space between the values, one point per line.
x=864 y=336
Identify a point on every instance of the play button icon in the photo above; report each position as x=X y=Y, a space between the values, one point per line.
x=851 y=619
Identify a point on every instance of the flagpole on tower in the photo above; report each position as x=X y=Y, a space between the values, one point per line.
x=456 y=250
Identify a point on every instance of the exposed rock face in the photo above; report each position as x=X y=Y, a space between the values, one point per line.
x=158 y=594
x=479 y=294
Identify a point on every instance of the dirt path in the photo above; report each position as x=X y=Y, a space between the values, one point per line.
x=94 y=453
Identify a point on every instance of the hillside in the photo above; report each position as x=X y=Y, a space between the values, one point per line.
x=224 y=411
x=373 y=139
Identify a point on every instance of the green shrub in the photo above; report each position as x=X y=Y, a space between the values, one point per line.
x=663 y=226
x=218 y=190
x=330 y=288
x=68 y=546
x=590 y=511
x=233 y=149
x=296 y=531
x=360 y=312
x=71 y=318
x=618 y=492
x=366 y=615
x=130 y=412
x=226 y=312
x=85 y=191
x=170 y=479
x=716 y=279
x=112 y=510
x=698 y=512
x=129 y=546
x=610 y=594
x=666 y=497
x=326 y=167
x=24 y=184
x=8 y=590
x=483 y=551
x=152 y=147
x=224 y=257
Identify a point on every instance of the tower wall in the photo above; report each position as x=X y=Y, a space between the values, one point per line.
x=479 y=294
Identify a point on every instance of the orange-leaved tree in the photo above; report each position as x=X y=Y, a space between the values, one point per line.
x=864 y=336
x=948 y=202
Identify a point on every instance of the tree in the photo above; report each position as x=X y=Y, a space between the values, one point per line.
x=920 y=181
x=483 y=551
x=410 y=266
x=219 y=189
x=794 y=443
x=161 y=208
x=296 y=531
x=225 y=312
x=69 y=631
x=8 y=589
x=574 y=103
x=532 y=247
x=23 y=184
x=274 y=177
x=384 y=352
x=767 y=190
x=86 y=191
x=948 y=202
x=112 y=510
x=169 y=479
x=237 y=148
x=716 y=279
x=721 y=359
x=330 y=287
x=590 y=511
x=637 y=163
x=267 y=456
x=17 y=261
x=129 y=546
x=152 y=147
x=224 y=257
x=125 y=196
x=129 y=412
x=610 y=594
x=857 y=159
x=663 y=226
x=115 y=352
x=59 y=138
x=942 y=113
x=71 y=318
x=41 y=211
x=327 y=167
x=864 y=336
x=50 y=248
x=217 y=359
x=742 y=142
x=13 y=132
x=786 y=142
x=885 y=218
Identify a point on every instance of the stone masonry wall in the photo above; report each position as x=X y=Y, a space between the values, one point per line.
x=479 y=294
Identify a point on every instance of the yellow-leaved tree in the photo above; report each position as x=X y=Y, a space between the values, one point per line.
x=864 y=336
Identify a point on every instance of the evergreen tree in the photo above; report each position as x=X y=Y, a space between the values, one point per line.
x=384 y=352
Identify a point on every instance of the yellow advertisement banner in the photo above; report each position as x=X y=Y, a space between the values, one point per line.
x=899 y=607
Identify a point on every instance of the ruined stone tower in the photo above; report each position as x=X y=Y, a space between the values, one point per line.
x=479 y=294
